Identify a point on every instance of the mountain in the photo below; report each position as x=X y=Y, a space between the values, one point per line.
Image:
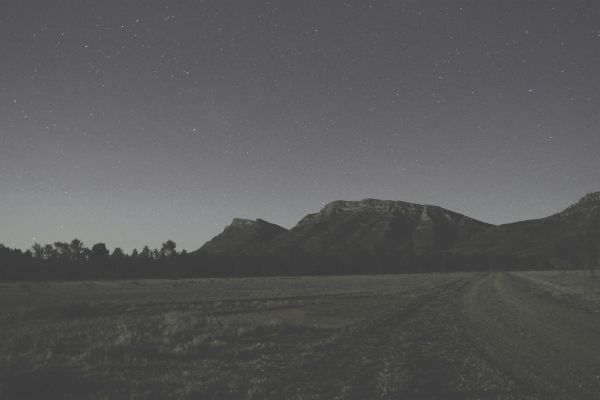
x=373 y=235
x=241 y=236
x=363 y=236
x=559 y=237
x=381 y=236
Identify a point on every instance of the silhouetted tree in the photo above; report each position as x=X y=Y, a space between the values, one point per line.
x=37 y=251
x=16 y=264
x=99 y=254
x=117 y=253
x=146 y=253
x=63 y=251
x=117 y=262
x=168 y=249
x=49 y=252
x=77 y=251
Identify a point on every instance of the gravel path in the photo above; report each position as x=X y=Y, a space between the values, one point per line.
x=487 y=336
x=550 y=347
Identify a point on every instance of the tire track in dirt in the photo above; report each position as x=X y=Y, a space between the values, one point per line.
x=550 y=349
x=415 y=350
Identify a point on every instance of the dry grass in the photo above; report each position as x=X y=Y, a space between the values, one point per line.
x=207 y=338
x=576 y=288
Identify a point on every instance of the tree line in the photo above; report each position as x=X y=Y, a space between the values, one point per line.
x=74 y=261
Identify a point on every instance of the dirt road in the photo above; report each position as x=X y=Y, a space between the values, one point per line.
x=488 y=336
x=547 y=346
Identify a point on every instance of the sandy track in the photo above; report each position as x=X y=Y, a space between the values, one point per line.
x=415 y=350
x=487 y=336
x=551 y=349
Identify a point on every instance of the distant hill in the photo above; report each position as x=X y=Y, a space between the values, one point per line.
x=374 y=235
x=378 y=236
x=559 y=237
x=347 y=237
x=242 y=235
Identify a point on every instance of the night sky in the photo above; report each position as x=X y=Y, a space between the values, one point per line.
x=132 y=122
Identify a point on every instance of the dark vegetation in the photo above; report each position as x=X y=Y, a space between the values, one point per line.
x=75 y=261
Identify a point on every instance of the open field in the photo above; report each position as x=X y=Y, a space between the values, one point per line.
x=529 y=335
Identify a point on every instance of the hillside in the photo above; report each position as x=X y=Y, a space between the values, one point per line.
x=363 y=236
x=242 y=235
x=560 y=236
x=375 y=236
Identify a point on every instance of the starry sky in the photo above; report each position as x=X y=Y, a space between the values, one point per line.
x=132 y=122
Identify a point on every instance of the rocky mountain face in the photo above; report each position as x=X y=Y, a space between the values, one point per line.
x=380 y=236
x=347 y=237
x=242 y=236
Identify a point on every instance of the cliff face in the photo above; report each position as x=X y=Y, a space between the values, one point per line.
x=380 y=225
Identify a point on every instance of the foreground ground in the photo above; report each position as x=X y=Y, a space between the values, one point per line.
x=448 y=336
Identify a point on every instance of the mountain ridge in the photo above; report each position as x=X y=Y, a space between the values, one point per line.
x=374 y=236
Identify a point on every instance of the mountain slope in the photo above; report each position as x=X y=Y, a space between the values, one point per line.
x=241 y=236
x=363 y=236
x=561 y=235
x=379 y=236
x=379 y=228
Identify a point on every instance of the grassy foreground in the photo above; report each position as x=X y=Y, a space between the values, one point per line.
x=357 y=337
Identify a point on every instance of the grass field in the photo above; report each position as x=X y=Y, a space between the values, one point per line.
x=529 y=335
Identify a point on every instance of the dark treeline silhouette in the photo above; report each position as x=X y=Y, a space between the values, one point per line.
x=75 y=261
